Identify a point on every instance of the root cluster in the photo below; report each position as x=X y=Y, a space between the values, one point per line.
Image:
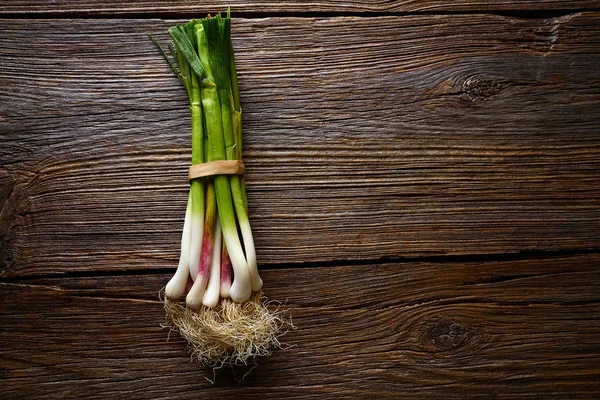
x=230 y=333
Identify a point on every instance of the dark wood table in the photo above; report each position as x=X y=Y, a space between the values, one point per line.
x=423 y=180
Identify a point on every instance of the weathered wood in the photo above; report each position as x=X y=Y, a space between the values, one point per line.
x=365 y=138
x=526 y=328
x=153 y=7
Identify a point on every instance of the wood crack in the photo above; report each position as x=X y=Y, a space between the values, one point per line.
x=174 y=13
x=447 y=259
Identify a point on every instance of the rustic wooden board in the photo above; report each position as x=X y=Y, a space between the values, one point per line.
x=521 y=328
x=365 y=138
x=153 y=7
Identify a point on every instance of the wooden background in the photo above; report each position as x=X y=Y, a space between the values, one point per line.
x=423 y=180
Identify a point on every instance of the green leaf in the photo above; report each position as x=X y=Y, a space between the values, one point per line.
x=173 y=50
x=162 y=52
x=217 y=35
x=186 y=48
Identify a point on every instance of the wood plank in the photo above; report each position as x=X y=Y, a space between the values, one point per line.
x=365 y=138
x=524 y=328
x=140 y=7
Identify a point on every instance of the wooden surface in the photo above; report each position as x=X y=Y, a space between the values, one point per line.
x=177 y=7
x=424 y=188
x=480 y=331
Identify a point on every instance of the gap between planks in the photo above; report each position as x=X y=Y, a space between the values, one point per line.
x=446 y=259
x=68 y=15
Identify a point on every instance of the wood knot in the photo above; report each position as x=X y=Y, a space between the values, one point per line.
x=476 y=88
x=445 y=335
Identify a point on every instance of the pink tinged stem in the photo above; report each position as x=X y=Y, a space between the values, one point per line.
x=207 y=251
x=196 y=293
x=208 y=239
x=194 y=297
x=213 y=289
x=226 y=273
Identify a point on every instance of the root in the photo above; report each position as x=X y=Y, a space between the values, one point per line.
x=231 y=333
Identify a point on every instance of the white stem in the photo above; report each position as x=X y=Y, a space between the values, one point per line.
x=241 y=290
x=176 y=286
x=255 y=280
x=197 y=222
x=211 y=295
x=194 y=297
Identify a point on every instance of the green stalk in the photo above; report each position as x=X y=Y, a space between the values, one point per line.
x=241 y=288
x=237 y=116
x=177 y=285
x=197 y=185
x=183 y=37
x=232 y=131
x=218 y=124
x=235 y=102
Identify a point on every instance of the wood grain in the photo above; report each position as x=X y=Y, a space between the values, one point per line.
x=521 y=328
x=401 y=136
x=153 y=7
